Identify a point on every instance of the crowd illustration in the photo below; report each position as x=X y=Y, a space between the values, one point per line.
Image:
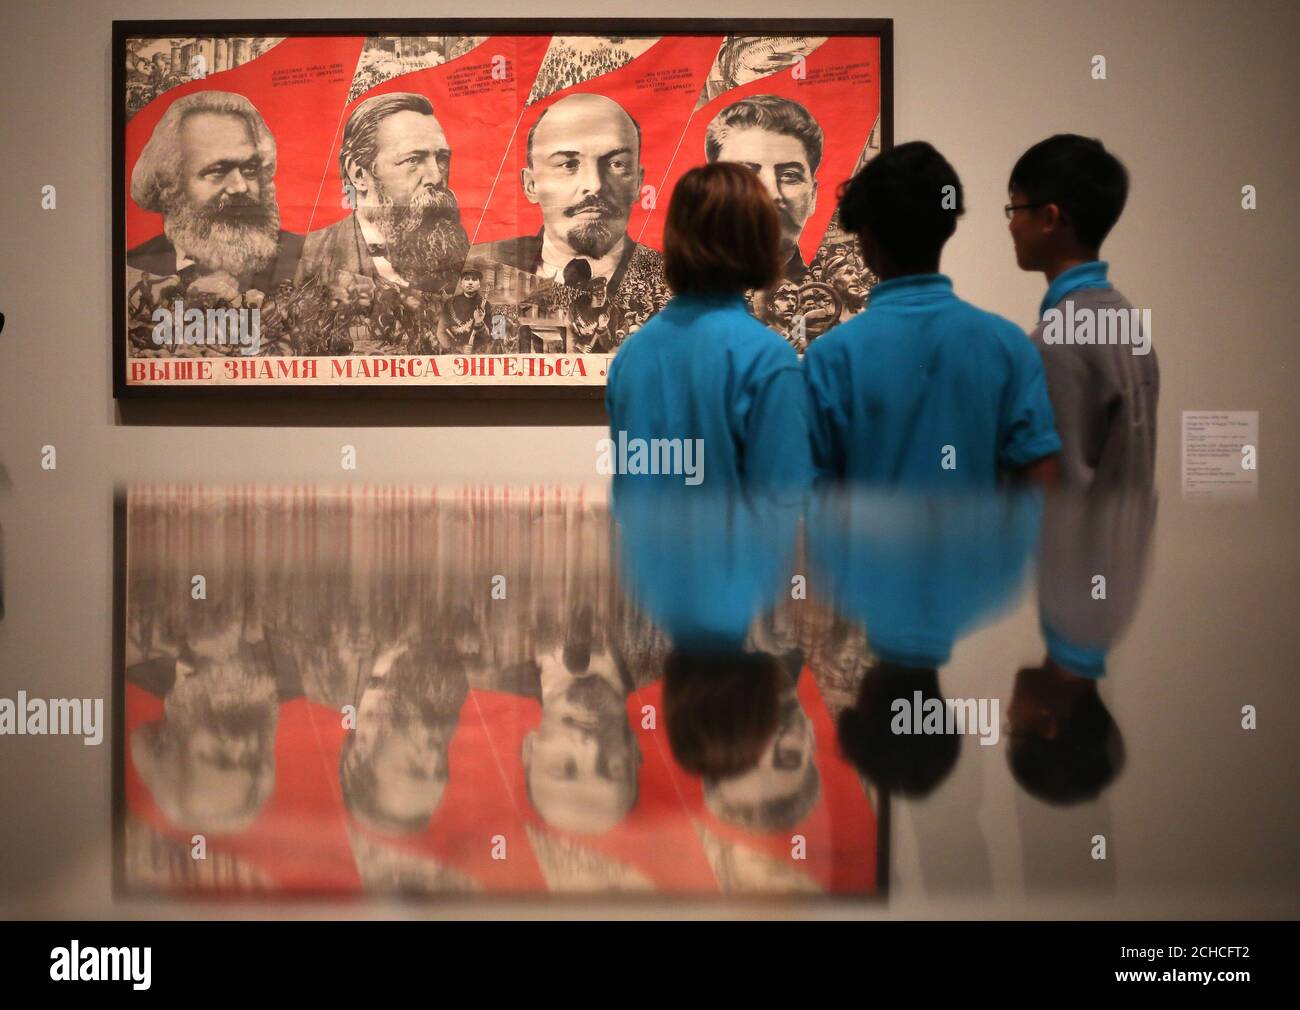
x=566 y=65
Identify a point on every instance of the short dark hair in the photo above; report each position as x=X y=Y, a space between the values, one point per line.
x=360 y=143
x=721 y=710
x=722 y=233
x=911 y=764
x=901 y=200
x=766 y=112
x=1081 y=760
x=1080 y=176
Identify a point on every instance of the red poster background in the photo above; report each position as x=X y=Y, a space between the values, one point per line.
x=846 y=112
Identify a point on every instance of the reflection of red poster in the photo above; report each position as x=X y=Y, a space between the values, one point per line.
x=475 y=831
x=841 y=91
x=654 y=847
x=658 y=89
x=297 y=839
x=300 y=87
x=839 y=833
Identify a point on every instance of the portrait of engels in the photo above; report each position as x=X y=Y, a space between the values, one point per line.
x=584 y=171
x=405 y=228
x=208 y=168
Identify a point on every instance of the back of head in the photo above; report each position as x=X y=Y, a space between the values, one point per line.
x=720 y=710
x=722 y=234
x=906 y=202
x=1081 y=757
x=1080 y=176
x=912 y=764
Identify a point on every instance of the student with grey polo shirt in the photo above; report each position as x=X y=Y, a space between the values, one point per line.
x=1067 y=192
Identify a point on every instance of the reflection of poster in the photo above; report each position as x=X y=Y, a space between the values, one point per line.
x=427 y=691
x=470 y=210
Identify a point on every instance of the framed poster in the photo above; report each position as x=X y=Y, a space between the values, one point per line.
x=322 y=206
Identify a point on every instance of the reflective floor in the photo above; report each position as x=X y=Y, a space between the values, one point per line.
x=457 y=696
x=431 y=691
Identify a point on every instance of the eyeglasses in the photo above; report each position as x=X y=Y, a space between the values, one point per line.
x=1011 y=208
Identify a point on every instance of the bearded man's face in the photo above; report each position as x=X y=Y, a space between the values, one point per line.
x=224 y=214
x=412 y=205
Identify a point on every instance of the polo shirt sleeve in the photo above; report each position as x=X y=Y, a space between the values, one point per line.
x=828 y=414
x=777 y=451
x=1027 y=427
x=1081 y=407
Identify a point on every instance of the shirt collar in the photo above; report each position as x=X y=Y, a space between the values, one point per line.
x=709 y=298
x=1086 y=275
x=912 y=288
x=554 y=261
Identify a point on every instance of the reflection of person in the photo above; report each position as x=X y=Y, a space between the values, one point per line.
x=704 y=368
x=209 y=763
x=910 y=764
x=924 y=390
x=584 y=171
x=208 y=169
x=702 y=567
x=783 y=787
x=720 y=710
x=406 y=227
x=777 y=139
x=393 y=767
x=1065 y=747
x=919 y=572
x=1067 y=192
x=582 y=761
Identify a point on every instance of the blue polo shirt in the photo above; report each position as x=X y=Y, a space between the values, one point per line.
x=702 y=565
x=705 y=368
x=921 y=571
x=919 y=371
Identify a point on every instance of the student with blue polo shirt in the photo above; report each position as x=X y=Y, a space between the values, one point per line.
x=920 y=571
x=1066 y=193
x=704 y=370
x=703 y=566
x=922 y=389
